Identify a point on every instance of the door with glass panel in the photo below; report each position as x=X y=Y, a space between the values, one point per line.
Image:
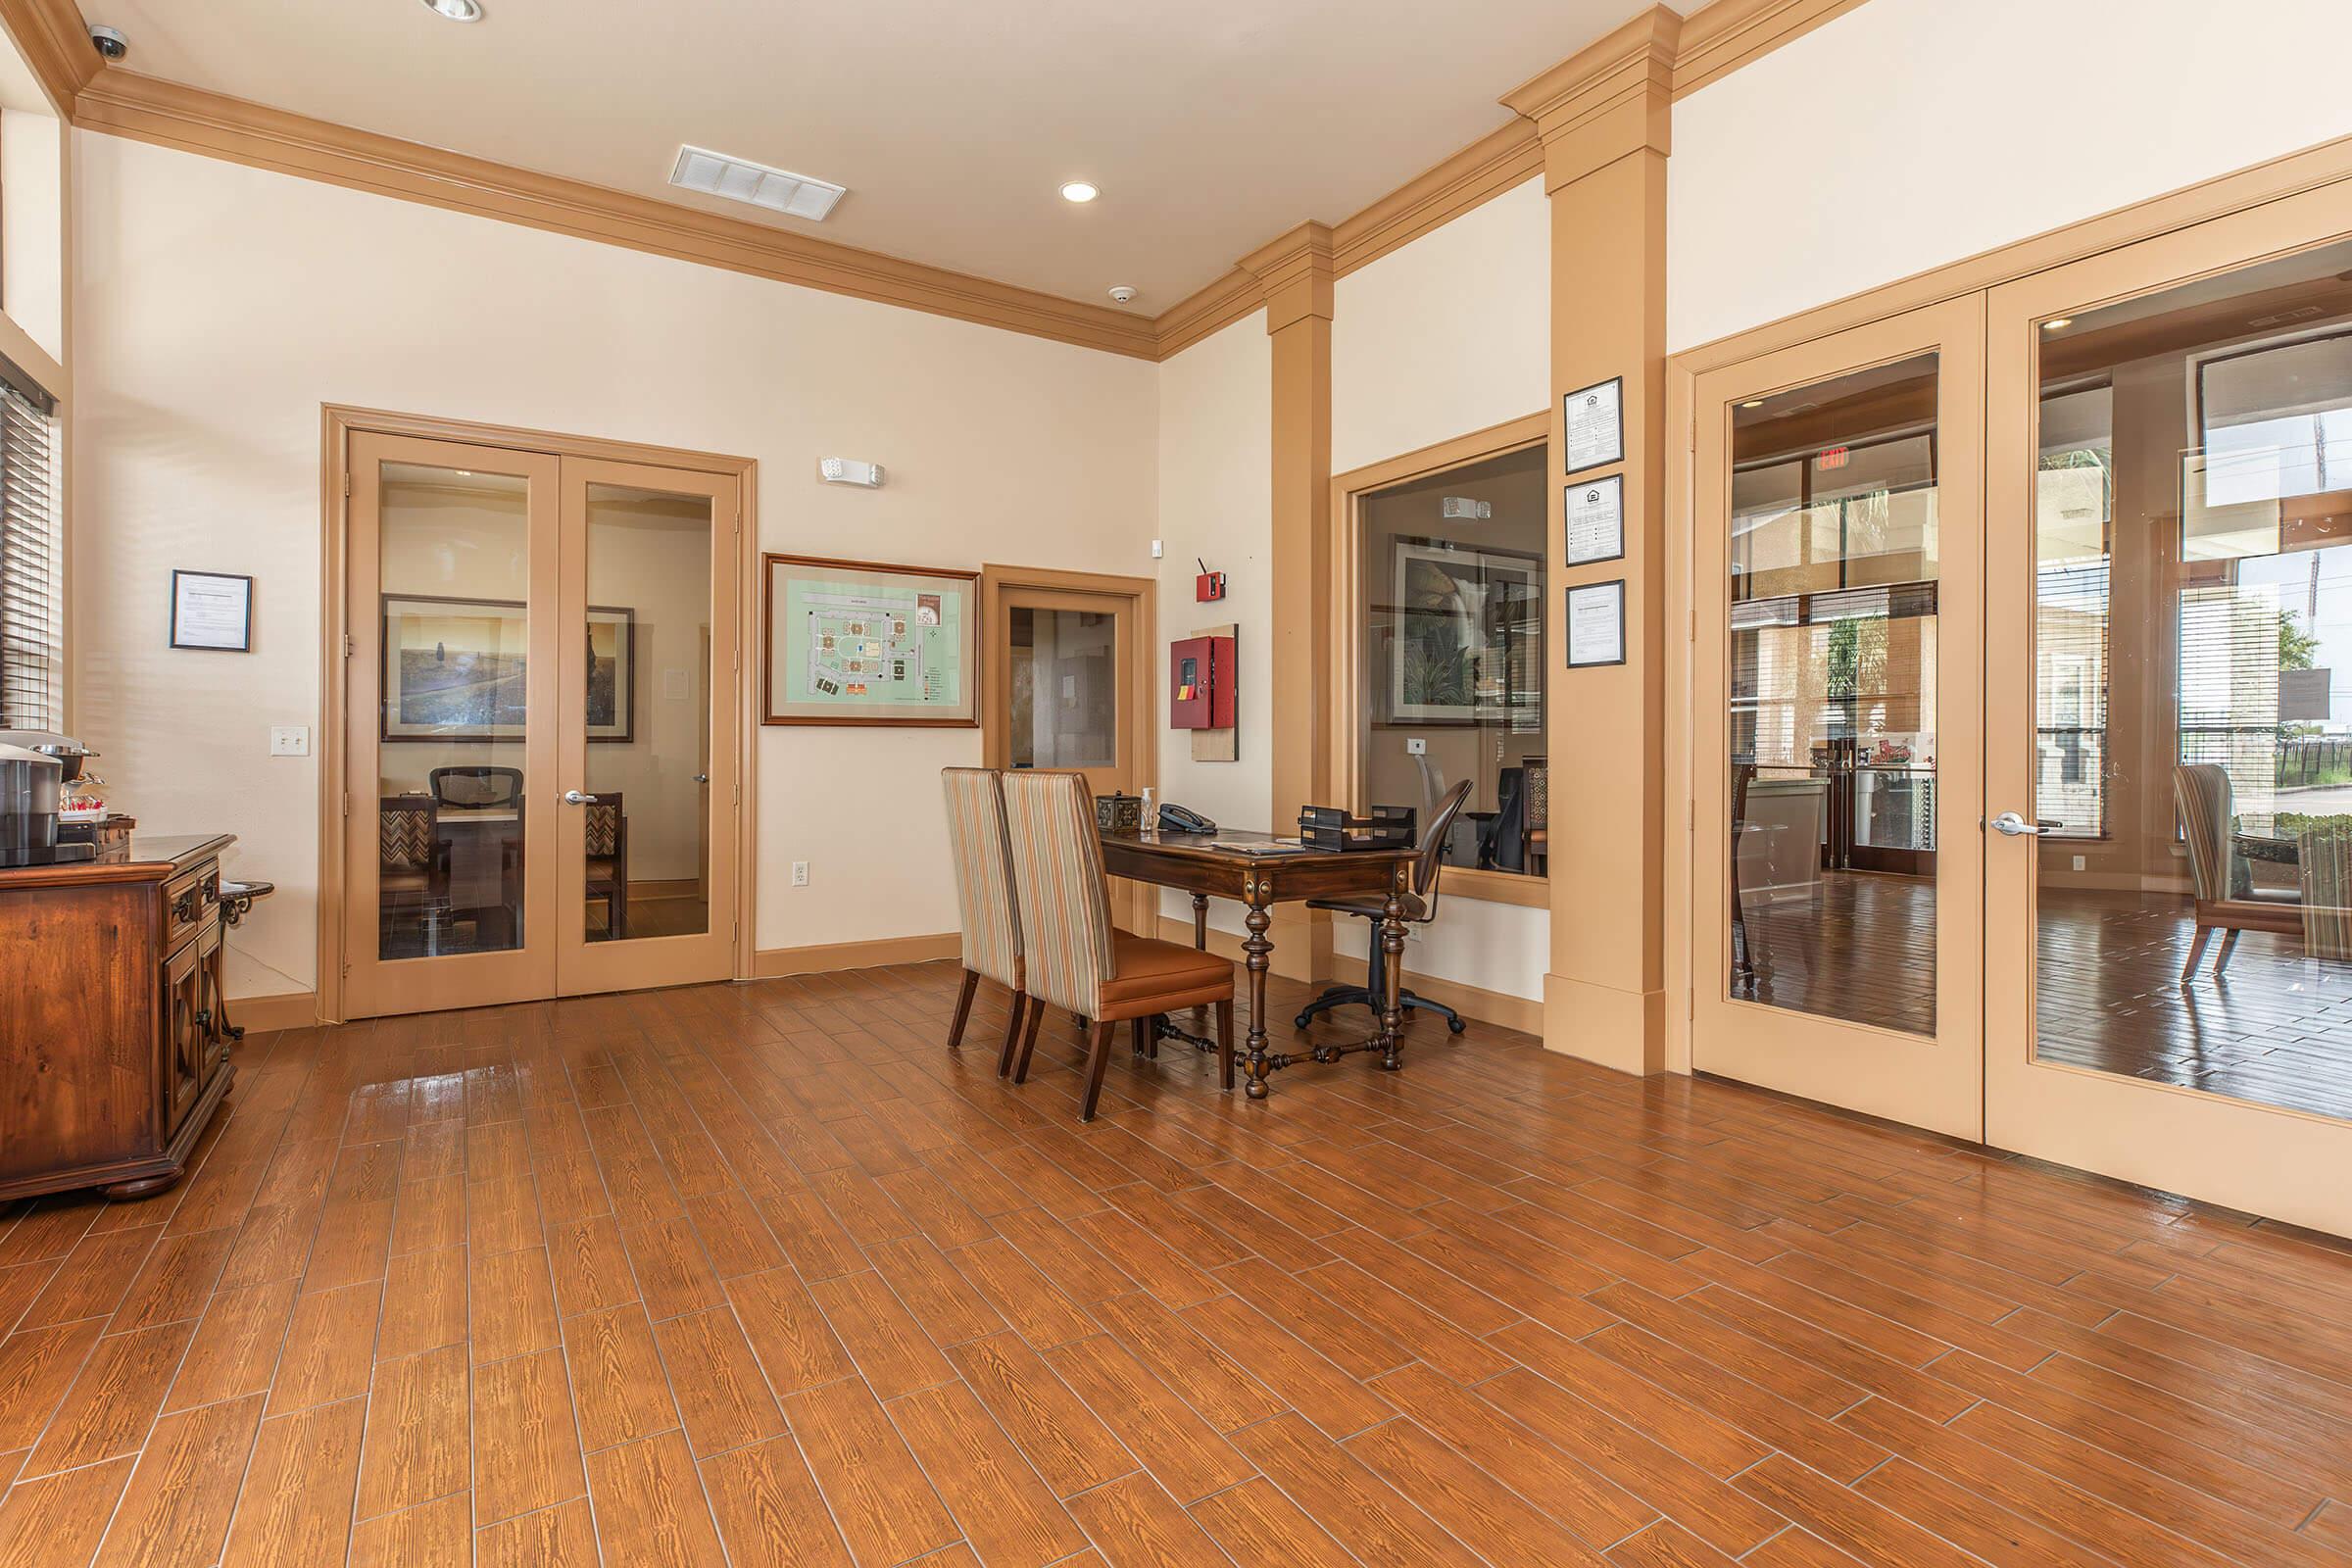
x=1836 y=862
x=2168 y=751
x=451 y=738
x=644 y=842
x=541 y=739
x=1064 y=692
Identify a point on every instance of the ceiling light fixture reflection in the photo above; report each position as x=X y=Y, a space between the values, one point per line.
x=1078 y=190
x=2057 y=323
x=456 y=10
x=1753 y=403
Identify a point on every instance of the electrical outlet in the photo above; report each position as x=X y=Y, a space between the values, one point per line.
x=1415 y=746
x=799 y=873
x=289 y=740
x=2082 y=861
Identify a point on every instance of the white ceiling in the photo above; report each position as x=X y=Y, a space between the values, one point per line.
x=1211 y=126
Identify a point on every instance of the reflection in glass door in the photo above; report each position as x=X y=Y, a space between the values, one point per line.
x=2172 y=773
x=452 y=726
x=647 y=890
x=1837 y=521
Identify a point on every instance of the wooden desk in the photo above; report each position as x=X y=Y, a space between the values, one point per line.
x=1207 y=863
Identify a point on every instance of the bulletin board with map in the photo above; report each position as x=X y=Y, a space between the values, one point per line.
x=856 y=642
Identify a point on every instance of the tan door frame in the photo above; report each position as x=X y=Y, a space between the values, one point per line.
x=339 y=422
x=1143 y=693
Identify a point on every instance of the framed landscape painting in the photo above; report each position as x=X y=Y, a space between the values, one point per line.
x=456 y=669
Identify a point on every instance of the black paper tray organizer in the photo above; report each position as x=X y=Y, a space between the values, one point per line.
x=1331 y=828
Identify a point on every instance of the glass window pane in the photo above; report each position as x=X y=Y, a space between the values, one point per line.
x=2192 y=633
x=648 y=831
x=454 y=554
x=1453 y=571
x=1833 y=722
x=1065 y=698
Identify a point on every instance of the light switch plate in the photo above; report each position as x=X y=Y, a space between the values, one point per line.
x=289 y=740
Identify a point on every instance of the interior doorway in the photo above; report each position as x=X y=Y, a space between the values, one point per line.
x=536 y=774
x=1070 y=681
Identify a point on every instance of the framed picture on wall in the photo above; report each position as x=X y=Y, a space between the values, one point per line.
x=212 y=611
x=857 y=642
x=456 y=670
x=1460 y=620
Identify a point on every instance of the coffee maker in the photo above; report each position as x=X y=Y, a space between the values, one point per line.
x=31 y=784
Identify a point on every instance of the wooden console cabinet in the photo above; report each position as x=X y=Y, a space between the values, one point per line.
x=112 y=1053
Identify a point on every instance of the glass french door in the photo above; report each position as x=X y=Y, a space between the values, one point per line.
x=540 y=743
x=2168 y=749
x=1836 y=753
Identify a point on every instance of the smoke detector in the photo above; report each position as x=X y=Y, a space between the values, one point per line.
x=1122 y=295
x=739 y=179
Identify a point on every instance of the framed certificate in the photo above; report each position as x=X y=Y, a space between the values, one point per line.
x=1597 y=624
x=212 y=611
x=1592 y=425
x=1592 y=517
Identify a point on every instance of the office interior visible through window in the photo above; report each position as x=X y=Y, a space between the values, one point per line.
x=1453 y=573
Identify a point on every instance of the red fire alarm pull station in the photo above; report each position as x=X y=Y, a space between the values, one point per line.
x=1200 y=683
x=1209 y=586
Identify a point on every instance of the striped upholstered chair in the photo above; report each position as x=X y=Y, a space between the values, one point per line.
x=2227 y=898
x=1074 y=959
x=992 y=928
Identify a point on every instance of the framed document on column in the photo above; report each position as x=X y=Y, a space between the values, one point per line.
x=1592 y=515
x=1597 y=624
x=1592 y=425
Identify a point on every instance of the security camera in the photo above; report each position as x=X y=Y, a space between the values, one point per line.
x=1122 y=294
x=109 y=42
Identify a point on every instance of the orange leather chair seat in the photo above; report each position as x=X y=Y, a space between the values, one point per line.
x=1156 y=976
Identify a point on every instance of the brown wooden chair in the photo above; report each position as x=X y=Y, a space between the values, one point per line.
x=1071 y=956
x=1420 y=908
x=1539 y=814
x=608 y=829
x=2227 y=898
x=984 y=898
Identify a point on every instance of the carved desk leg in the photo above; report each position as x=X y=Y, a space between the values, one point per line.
x=1391 y=988
x=1258 y=892
x=1201 y=921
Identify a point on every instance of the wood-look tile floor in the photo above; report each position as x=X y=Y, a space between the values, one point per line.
x=762 y=1274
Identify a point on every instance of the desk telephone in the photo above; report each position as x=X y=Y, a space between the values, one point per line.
x=1174 y=819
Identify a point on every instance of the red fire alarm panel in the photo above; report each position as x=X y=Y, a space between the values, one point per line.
x=1208 y=587
x=1200 y=683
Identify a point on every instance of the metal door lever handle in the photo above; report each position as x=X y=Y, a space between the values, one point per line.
x=2015 y=826
x=576 y=798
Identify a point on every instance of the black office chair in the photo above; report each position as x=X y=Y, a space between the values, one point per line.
x=475 y=787
x=1502 y=845
x=1420 y=908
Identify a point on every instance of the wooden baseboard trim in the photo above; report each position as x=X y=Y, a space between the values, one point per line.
x=1523 y=1013
x=287 y=1010
x=773 y=963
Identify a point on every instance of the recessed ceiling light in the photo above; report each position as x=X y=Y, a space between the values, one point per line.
x=2055 y=323
x=1078 y=190
x=456 y=10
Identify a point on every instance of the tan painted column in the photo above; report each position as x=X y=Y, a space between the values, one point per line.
x=1296 y=273
x=1603 y=119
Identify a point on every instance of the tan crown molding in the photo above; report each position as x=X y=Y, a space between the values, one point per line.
x=1611 y=98
x=1607 y=94
x=1729 y=34
x=1295 y=273
x=168 y=114
x=56 y=43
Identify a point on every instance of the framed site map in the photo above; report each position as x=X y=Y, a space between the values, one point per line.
x=854 y=642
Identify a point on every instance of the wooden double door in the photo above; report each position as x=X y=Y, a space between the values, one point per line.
x=2063 y=565
x=541 y=722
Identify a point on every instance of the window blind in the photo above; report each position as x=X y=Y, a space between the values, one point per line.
x=31 y=613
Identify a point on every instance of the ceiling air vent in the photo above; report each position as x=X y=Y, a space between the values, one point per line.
x=717 y=174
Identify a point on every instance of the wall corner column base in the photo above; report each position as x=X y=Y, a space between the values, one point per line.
x=1621 y=1029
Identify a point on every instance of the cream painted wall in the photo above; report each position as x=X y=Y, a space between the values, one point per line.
x=217 y=308
x=1216 y=503
x=1909 y=133
x=1448 y=334
x=1438 y=338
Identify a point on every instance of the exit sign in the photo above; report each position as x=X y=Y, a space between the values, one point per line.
x=1833 y=458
